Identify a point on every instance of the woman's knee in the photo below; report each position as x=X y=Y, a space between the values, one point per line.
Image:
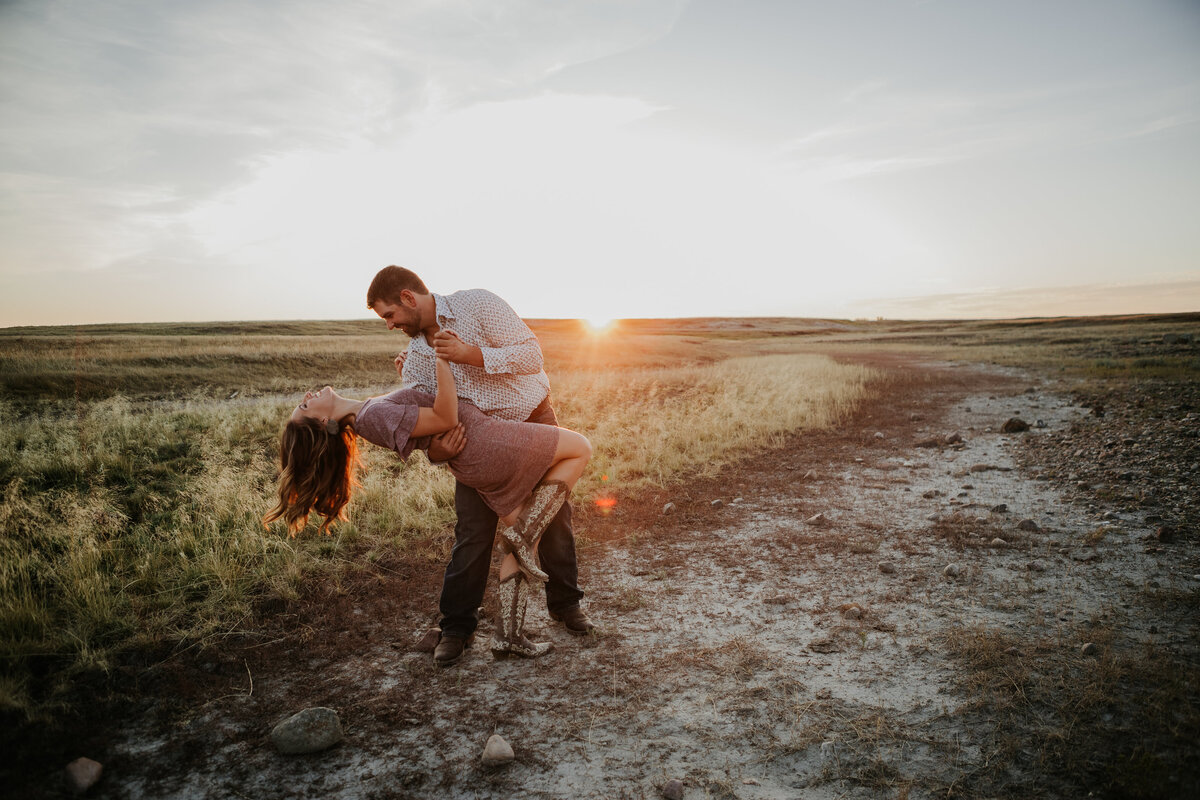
x=578 y=445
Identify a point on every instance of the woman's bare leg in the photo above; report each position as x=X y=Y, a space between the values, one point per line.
x=508 y=567
x=570 y=459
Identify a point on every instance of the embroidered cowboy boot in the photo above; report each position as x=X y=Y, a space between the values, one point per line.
x=547 y=499
x=509 y=635
x=532 y=570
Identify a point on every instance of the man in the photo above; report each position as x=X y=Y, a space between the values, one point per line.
x=497 y=364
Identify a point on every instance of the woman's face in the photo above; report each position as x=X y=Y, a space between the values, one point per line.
x=316 y=405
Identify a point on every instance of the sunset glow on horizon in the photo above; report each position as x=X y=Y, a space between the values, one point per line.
x=181 y=162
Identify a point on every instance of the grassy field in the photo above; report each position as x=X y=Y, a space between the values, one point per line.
x=137 y=462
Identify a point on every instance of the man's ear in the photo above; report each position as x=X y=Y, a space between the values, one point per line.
x=407 y=298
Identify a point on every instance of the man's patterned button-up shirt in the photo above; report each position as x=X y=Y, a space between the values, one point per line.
x=512 y=381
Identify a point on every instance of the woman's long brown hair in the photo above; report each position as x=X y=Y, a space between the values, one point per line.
x=318 y=471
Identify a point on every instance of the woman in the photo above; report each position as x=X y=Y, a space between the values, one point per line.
x=522 y=470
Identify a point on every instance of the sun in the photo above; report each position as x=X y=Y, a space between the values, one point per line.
x=599 y=324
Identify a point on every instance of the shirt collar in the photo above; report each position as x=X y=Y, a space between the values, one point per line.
x=442 y=309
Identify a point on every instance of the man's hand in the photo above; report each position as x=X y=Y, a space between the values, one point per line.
x=400 y=362
x=446 y=446
x=447 y=345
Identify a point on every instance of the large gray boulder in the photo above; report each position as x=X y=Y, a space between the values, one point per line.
x=310 y=731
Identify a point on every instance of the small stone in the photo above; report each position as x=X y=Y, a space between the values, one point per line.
x=309 y=731
x=852 y=611
x=1041 y=423
x=717 y=503
x=83 y=773
x=1012 y=651
x=673 y=789
x=953 y=438
x=1165 y=533
x=668 y=508
x=750 y=782
x=1109 y=515
x=815 y=519
x=1154 y=629
x=953 y=570
x=998 y=542
x=1090 y=649
x=1028 y=525
x=811 y=475
x=1000 y=508
x=497 y=752
x=928 y=443
x=1014 y=425
x=828 y=750
x=887 y=567
x=777 y=600
x=932 y=493
x=879 y=435
x=1035 y=566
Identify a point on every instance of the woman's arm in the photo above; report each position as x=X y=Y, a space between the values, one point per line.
x=444 y=414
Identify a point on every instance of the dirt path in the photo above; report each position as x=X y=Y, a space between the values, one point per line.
x=748 y=650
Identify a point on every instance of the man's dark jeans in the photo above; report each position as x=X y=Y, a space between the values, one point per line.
x=467 y=573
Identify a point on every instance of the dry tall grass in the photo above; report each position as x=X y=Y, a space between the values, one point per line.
x=129 y=523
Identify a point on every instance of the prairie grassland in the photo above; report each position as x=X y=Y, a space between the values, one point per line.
x=1099 y=348
x=132 y=489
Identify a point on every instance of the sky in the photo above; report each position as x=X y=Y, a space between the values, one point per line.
x=163 y=160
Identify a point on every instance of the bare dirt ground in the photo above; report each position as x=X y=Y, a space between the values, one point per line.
x=911 y=641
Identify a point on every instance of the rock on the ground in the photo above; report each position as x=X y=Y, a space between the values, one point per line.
x=673 y=789
x=953 y=438
x=998 y=542
x=83 y=773
x=1000 y=508
x=717 y=503
x=1014 y=425
x=1165 y=533
x=879 y=435
x=852 y=611
x=1090 y=649
x=309 y=731
x=953 y=570
x=887 y=567
x=1028 y=525
x=668 y=508
x=815 y=519
x=928 y=443
x=497 y=752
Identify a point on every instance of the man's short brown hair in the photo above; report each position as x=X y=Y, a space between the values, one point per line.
x=390 y=282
